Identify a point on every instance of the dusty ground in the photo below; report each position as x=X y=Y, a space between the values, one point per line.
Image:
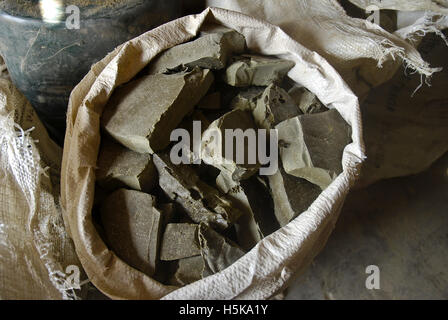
x=399 y=225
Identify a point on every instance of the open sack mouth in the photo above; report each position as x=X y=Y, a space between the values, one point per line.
x=221 y=202
x=207 y=151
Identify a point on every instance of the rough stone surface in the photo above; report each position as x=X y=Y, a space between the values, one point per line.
x=142 y=114
x=132 y=226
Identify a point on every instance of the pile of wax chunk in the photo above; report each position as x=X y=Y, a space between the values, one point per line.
x=178 y=210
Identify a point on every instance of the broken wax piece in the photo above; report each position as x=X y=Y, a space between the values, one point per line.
x=195 y=124
x=119 y=167
x=218 y=252
x=189 y=270
x=209 y=51
x=236 y=39
x=306 y=100
x=291 y=195
x=211 y=101
x=169 y=213
x=228 y=93
x=200 y=201
x=251 y=70
x=100 y=195
x=311 y=146
x=248 y=231
x=197 y=115
x=241 y=161
x=132 y=226
x=142 y=114
x=261 y=203
x=246 y=100
x=252 y=197
x=180 y=240
x=274 y=106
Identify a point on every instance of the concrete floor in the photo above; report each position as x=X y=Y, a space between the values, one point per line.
x=399 y=225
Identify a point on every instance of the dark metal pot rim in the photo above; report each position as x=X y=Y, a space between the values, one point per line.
x=114 y=12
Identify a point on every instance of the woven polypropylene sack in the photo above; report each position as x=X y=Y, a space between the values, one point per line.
x=273 y=262
x=35 y=249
